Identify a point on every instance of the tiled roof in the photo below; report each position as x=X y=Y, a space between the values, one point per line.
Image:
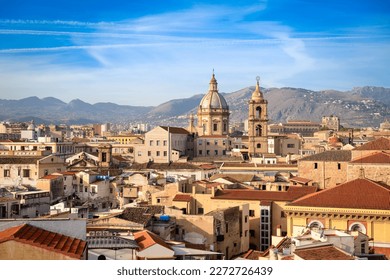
x=380 y=144
x=252 y=255
x=335 y=155
x=300 y=180
x=359 y=193
x=141 y=215
x=237 y=177
x=183 y=197
x=380 y=157
x=44 y=239
x=145 y=239
x=326 y=252
x=293 y=193
x=164 y=166
x=175 y=130
x=49 y=177
x=207 y=166
x=19 y=160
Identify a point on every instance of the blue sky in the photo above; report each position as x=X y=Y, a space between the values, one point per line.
x=148 y=52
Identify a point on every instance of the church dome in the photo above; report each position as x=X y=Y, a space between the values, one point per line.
x=213 y=100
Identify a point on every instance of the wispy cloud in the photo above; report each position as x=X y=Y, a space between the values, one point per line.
x=170 y=55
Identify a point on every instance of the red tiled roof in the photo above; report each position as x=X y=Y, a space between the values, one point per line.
x=380 y=157
x=380 y=144
x=68 y=172
x=207 y=166
x=293 y=193
x=358 y=193
x=49 y=177
x=44 y=239
x=182 y=197
x=327 y=252
x=145 y=239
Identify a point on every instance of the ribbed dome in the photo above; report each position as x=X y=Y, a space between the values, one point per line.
x=213 y=99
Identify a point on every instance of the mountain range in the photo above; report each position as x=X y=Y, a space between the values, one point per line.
x=359 y=107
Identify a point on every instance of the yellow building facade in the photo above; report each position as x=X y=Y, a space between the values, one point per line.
x=358 y=205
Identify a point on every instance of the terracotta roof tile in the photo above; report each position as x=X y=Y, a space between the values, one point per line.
x=300 y=180
x=380 y=157
x=19 y=160
x=380 y=144
x=358 y=193
x=48 y=240
x=330 y=156
x=326 y=252
x=293 y=193
x=183 y=197
x=145 y=239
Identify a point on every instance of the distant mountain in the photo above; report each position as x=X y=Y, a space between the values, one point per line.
x=361 y=106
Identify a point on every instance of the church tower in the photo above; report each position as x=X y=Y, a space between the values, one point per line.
x=213 y=112
x=257 y=123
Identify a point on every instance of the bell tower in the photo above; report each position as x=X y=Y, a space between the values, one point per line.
x=257 y=123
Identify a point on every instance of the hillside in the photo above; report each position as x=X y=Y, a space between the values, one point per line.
x=361 y=106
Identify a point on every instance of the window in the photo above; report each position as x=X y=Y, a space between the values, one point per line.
x=104 y=157
x=282 y=214
x=258 y=145
x=208 y=143
x=224 y=127
x=226 y=227
x=215 y=127
x=7 y=173
x=200 y=152
x=358 y=227
x=280 y=188
x=200 y=210
x=158 y=143
x=158 y=153
x=290 y=145
x=151 y=143
x=362 y=248
x=208 y=152
x=26 y=173
x=258 y=112
x=200 y=142
x=259 y=130
x=264 y=187
x=252 y=233
x=165 y=142
x=224 y=152
x=316 y=225
x=216 y=152
x=165 y=153
x=215 y=142
x=158 y=200
x=149 y=153
x=251 y=213
x=315 y=165
x=246 y=218
x=338 y=166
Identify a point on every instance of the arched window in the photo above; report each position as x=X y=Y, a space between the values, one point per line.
x=259 y=130
x=316 y=225
x=358 y=227
x=258 y=145
x=258 y=112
